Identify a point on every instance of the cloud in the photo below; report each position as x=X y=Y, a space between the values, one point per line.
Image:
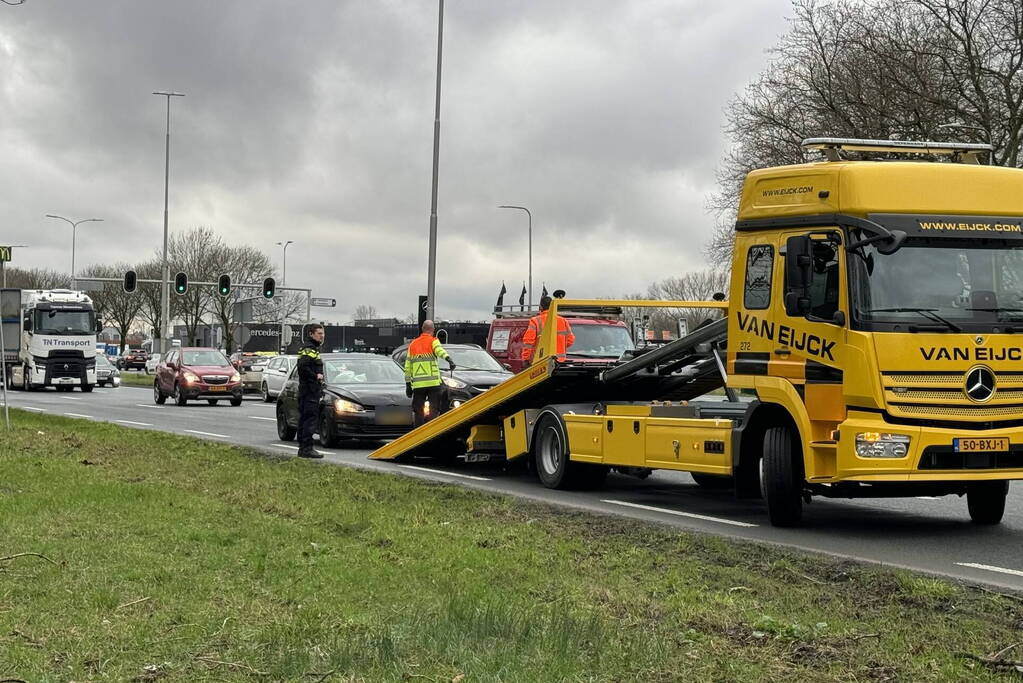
x=313 y=121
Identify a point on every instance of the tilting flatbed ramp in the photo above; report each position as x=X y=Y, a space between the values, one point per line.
x=677 y=371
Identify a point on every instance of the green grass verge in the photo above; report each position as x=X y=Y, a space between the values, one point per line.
x=179 y=560
x=139 y=379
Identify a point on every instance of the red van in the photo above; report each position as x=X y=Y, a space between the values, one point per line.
x=596 y=340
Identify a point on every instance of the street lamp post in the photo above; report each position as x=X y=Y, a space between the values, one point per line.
x=165 y=286
x=74 y=230
x=431 y=275
x=983 y=131
x=522 y=208
x=284 y=276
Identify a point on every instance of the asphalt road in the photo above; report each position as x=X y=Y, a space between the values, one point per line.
x=933 y=535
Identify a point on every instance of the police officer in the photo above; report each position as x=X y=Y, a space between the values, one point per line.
x=422 y=376
x=310 y=380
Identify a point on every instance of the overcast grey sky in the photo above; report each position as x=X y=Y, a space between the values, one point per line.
x=313 y=121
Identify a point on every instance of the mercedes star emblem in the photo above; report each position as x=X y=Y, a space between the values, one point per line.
x=980 y=384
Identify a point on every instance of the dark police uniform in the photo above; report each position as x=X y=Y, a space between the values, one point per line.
x=309 y=392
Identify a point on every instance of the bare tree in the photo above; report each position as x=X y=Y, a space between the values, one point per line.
x=699 y=285
x=245 y=265
x=878 y=69
x=195 y=253
x=36 y=278
x=115 y=307
x=365 y=312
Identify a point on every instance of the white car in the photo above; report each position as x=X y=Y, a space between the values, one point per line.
x=275 y=374
x=154 y=360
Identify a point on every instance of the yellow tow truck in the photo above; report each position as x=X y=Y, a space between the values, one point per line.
x=874 y=327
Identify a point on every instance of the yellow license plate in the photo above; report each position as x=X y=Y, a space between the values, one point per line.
x=974 y=444
x=218 y=388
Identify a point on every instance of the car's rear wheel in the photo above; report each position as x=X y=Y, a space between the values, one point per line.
x=179 y=396
x=265 y=391
x=284 y=431
x=327 y=436
x=158 y=396
x=213 y=401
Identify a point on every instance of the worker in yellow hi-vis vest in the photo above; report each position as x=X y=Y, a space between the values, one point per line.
x=422 y=375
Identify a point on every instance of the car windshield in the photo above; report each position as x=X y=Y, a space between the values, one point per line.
x=210 y=358
x=474 y=359
x=102 y=362
x=65 y=322
x=362 y=371
x=940 y=283
x=600 y=341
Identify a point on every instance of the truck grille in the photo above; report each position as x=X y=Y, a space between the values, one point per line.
x=943 y=395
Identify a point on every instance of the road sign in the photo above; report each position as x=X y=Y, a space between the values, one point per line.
x=323 y=302
x=5 y=253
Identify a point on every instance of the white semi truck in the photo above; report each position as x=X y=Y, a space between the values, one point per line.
x=58 y=341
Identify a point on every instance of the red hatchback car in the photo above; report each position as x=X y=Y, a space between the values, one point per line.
x=193 y=373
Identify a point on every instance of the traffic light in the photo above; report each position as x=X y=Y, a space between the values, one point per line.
x=180 y=283
x=131 y=281
x=269 y=287
x=224 y=285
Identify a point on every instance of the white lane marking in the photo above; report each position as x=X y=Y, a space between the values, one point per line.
x=129 y=422
x=146 y=405
x=448 y=474
x=295 y=448
x=37 y=410
x=693 y=515
x=256 y=417
x=988 y=567
x=72 y=398
x=78 y=415
x=928 y=497
x=196 y=431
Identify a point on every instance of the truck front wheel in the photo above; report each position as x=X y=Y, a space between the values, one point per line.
x=781 y=477
x=86 y=388
x=986 y=501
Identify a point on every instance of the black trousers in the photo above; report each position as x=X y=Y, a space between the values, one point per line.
x=419 y=398
x=308 y=415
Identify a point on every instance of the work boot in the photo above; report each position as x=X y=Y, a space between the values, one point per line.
x=308 y=452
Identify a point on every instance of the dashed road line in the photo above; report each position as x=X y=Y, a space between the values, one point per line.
x=218 y=436
x=89 y=417
x=447 y=474
x=32 y=408
x=991 y=568
x=146 y=405
x=257 y=417
x=137 y=424
x=71 y=398
x=927 y=497
x=692 y=515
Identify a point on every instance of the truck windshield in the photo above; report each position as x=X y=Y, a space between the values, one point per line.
x=951 y=285
x=600 y=341
x=64 y=322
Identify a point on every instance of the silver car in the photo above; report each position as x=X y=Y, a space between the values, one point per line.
x=275 y=374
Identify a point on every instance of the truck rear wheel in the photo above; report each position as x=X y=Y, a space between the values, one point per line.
x=986 y=501
x=553 y=466
x=781 y=477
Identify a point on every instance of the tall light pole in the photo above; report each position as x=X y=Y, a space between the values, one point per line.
x=165 y=286
x=431 y=276
x=74 y=230
x=522 y=208
x=284 y=276
x=983 y=131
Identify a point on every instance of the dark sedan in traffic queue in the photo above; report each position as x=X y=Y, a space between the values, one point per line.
x=362 y=398
x=475 y=371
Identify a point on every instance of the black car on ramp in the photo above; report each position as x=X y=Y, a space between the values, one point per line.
x=363 y=398
x=475 y=371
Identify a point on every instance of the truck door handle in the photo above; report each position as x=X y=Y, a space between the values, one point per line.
x=783 y=352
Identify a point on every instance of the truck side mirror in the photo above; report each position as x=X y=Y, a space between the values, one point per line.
x=798 y=274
